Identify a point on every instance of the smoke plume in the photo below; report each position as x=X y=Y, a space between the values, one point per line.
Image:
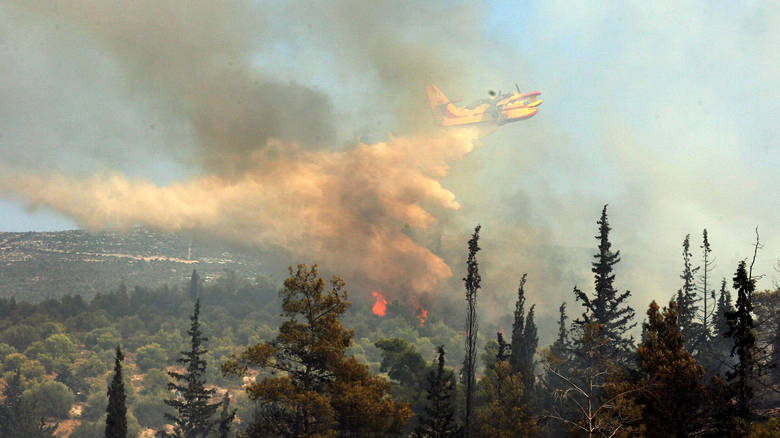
x=303 y=125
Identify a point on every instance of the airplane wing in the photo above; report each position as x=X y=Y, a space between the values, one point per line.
x=503 y=109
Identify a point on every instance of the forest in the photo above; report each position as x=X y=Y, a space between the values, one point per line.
x=233 y=357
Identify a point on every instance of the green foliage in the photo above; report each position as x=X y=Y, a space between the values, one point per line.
x=319 y=390
x=95 y=429
x=75 y=384
x=472 y=282
x=687 y=299
x=95 y=406
x=741 y=331
x=226 y=417
x=150 y=411
x=524 y=340
x=402 y=362
x=193 y=417
x=89 y=429
x=155 y=382
x=116 y=411
x=91 y=366
x=20 y=336
x=51 y=399
x=14 y=361
x=505 y=413
x=670 y=390
x=32 y=370
x=19 y=416
x=5 y=350
x=52 y=352
x=104 y=338
x=438 y=418
x=607 y=308
x=150 y=356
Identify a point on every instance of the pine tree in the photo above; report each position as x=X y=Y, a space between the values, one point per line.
x=315 y=390
x=718 y=359
x=708 y=295
x=741 y=331
x=687 y=299
x=194 y=411
x=724 y=307
x=670 y=389
x=607 y=309
x=505 y=412
x=438 y=420
x=116 y=411
x=17 y=416
x=472 y=282
x=524 y=340
x=590 y=398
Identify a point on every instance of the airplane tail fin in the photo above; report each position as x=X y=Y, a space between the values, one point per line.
x=435 y=96
x=436 y=99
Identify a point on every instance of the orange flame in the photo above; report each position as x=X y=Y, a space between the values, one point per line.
x=380 y=305
x=423 y=315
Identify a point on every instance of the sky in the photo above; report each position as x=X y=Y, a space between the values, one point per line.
x=305 y=128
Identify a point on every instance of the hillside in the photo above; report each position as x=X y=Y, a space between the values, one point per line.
x=35 y=266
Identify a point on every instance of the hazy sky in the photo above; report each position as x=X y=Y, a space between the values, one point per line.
x=666 y=111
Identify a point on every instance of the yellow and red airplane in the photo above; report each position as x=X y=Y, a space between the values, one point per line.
x=498 y=109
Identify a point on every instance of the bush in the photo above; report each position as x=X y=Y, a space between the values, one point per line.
x=150 y=356
x=89 y=429
x=97 y=428
x=14 y=361
x=102 y=339
x=5 y=350
x=92 y=366
x=20 y=336
x=51 y=399
x=150 y=412
x=156 y=383
x=32 y=370
x=95 y=406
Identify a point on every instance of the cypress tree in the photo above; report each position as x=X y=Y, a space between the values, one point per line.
x=741 y=331
x=472 y=282
x=193 y=408
x=516 y=361
x=530 y=343
x=560 y=348
x=504 y=349
x=524 y=340
x=438 y=419
x=194 y=285
x=607 y=309
x=116 y=411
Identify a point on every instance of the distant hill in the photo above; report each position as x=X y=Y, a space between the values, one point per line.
x=35 y=266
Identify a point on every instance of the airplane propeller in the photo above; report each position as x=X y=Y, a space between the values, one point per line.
x=518 y=88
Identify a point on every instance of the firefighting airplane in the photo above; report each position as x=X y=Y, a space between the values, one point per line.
x=498 y=109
